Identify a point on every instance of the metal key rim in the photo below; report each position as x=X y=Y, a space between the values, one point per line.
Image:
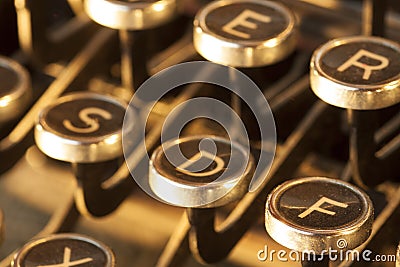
x=295 y=236
x=136 y=15
x=15 y=100
x=16 y=262
x=82 y=149
x=197 y=191
x=353 y=96
x=283 y=41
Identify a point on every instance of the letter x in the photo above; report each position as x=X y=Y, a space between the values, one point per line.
x=67 y=262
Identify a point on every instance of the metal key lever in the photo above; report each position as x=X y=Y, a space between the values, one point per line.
x=373 y=17
x=219 y=243
x=268 y=40
x=365 y=81
x=43 y=44
x=367 y=167
x=62 y=220
x=202 y=234
x=14 y=151
x=127 y=17
x=21 y=136
x=85 y=129
x=203 y=231
x=291 y=155
x=91 y=196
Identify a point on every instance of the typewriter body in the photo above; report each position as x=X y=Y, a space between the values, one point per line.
x=85 y=174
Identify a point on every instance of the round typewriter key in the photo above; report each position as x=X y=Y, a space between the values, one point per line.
x=249 y=33
x=200 y=171
x=358 y=72
x=130 y=14
x=15 y=89
x=64 y=250
x=81 y=128
x=318 y=214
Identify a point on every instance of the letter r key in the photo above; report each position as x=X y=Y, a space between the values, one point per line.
x=354 y=61
x=357 y=72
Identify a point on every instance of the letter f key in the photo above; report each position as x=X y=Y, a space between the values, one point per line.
x=317 y=207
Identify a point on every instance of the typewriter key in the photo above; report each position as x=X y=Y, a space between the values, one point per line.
x=248 y=33
x=318 y=214
x=362 y=74
x=127 y=16
x=398 y=256
x=64 y=250
x=81 y=128
x=200 y=171
x=15 y=89
x=130 y=15
x=357 y=72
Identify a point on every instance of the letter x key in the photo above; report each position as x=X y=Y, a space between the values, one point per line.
x=64 y=250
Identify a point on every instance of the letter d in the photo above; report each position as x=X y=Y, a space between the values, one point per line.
x=262 y=254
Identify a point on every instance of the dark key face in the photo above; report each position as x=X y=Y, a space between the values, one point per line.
x=65 y=250
x=81 y=127
x=321 y=205
x=318 y=214
x=357 y=72
x=362 y=62
x=200 y=171
x=85 y=117
x=249 y=33
x=247 y=21
x=213 y=161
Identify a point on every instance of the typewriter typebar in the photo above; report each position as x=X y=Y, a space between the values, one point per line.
x=196 y=133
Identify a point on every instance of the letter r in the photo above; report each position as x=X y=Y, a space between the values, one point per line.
x=354 y=61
